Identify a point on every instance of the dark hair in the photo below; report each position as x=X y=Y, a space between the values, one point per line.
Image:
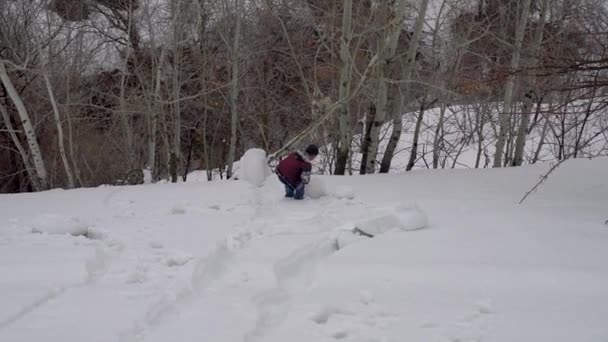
x=312 y=150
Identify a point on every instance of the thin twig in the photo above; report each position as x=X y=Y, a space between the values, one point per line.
x=542 y=180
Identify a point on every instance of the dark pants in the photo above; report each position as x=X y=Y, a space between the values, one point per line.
x=293 y=190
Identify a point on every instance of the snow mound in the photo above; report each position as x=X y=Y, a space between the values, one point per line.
x=316 y=188
x=253 y=167
x=343 y=192
x=57 y=224
x=402 y=217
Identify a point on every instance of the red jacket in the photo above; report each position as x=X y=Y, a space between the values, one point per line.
x=294 y=169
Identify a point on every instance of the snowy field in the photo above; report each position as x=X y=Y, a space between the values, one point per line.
x=453 y=258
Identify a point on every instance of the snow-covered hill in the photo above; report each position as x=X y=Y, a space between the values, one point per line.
x=226 y=261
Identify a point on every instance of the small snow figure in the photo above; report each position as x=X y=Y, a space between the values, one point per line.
x=294 y=171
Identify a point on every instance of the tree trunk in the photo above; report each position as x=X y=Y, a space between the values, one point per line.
x=126 y=124
x=344 y=90
x=541 y=141
x=70 y=132
x=545 y=130
x=393 y=141
x=527 y=107
x=24 y=157
x=369 y=118
x=386 y=53
x=437 y=138
x=504 y=117
x=480 y=136
x=414 y=151
x=234 y=91
x=154 y=112
x=408 y=70
x=579 y=136
x=64 y=158
x=28 y=128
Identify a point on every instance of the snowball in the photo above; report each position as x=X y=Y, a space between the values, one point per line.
x=316 y=188
x=253 y=167
x=57 y=224
x=411 y=217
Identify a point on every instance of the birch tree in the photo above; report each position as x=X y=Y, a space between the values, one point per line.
x=234 y=89
x=28 y=128
x=60 y=137
x=386 y=52
x=408 y=71
x=528 y=100
x=345 y=83
x=24 y=156
x=506 y=113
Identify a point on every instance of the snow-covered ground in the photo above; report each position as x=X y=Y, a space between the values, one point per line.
x=227 y=261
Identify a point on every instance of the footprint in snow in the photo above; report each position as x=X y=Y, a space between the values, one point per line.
x=178 y=259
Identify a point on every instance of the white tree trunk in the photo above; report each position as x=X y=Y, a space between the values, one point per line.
x=11 y=131
x=527 y=107
x=234 y=90
x=408 y=71
x=504 y=117
x=344 y=90
x=153 y=129
x=387 y=47
x=60 y=138
x=76 y=169
x=28 y=128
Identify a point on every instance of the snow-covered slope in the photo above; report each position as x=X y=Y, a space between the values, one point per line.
x=226 y=261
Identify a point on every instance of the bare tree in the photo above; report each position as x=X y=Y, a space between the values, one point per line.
x=345 y=84
x=386 y=52
x=234 y=88
x=28 y=128
x=60 y=137
x=506 y=113
x=408 y=70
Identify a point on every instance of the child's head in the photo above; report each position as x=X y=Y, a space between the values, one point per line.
x=312 y=151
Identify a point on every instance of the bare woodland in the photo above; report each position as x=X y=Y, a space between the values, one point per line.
x=95 y=91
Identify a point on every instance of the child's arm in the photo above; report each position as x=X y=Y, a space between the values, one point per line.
x=306 y=174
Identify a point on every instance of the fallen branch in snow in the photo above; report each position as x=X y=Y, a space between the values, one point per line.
x=542 y=180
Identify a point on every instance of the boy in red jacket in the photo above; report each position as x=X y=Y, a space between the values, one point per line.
x=294 y=171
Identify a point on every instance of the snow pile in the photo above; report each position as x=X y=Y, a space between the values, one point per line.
x=253 y=167
x=401 y=217
x=343 y=192
x=57 y=224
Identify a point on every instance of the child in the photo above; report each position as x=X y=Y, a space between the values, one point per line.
x=294 y=171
